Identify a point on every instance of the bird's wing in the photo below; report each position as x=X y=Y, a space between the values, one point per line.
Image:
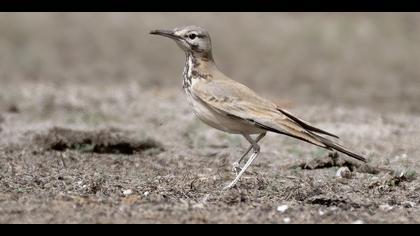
x=238 y=101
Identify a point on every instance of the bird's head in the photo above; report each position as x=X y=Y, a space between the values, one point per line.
x=192 y=39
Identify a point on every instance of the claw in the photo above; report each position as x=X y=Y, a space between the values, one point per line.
x=227 y=187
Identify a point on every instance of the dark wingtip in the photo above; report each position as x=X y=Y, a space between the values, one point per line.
x=348 y=152
x=338 y=147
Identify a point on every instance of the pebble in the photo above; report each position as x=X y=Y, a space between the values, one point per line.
x=402 y=156
x=409 y=204
x=386 y=207
x=358 y=222
x=282 y=208
x=343 y=172
x=127 y=192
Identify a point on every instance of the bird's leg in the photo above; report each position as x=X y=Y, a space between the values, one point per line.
x=236 y=164
x=256 y=149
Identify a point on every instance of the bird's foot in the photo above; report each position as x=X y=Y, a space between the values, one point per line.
x=229 y=186
x=237 y=169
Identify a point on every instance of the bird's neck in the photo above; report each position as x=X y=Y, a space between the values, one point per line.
x=197 y=67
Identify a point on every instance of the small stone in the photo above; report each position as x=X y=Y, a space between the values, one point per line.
x=409 y=204
x=343 y=172
x=146 y=193
x=286 y=220
x=127 y=192
x=358 y=222
x=282 y=208
x=402 y=156
x=386 y=207
x=198 y=206
x=321 y=212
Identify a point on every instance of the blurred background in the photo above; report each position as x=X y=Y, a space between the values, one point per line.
x=347 y=59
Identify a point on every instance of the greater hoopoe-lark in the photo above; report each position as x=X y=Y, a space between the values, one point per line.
x=227 y=105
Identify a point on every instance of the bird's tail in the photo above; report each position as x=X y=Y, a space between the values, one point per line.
x=333 y=145
x=302 y=130
x=312 y=130
x=295 y=130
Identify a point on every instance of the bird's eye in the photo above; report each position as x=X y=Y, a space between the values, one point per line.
x=192 y=36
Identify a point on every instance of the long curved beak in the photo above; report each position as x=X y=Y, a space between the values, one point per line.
x=165 y=33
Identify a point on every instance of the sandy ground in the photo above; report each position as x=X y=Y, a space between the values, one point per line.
x=95 y=128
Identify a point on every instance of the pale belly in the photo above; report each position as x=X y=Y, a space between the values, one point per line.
x=220 y=121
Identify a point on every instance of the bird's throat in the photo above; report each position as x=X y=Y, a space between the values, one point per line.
x=196 y=67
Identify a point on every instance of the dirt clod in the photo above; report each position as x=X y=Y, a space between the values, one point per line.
x=397 y=177
x=333 y=159
x=108 y=141
x=13 y=108
x=328 y=201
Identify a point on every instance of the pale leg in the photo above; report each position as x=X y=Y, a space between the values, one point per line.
x=236 y=164
x=254 y=155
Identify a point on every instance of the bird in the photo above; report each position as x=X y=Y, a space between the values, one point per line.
x=232 y=107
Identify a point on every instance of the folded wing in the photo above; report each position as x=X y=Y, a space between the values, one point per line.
x=233 y=99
